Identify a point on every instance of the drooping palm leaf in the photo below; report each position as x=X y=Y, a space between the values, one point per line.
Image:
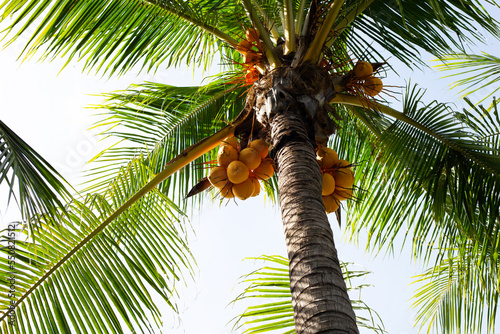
x=32 y=181
x=271 y=310
x=405 y=28
x=455 y=296
x=114 y=36
x=103 y=274
x=402 y=191
x=445 y=161
x=478 y=72
x=164 y=119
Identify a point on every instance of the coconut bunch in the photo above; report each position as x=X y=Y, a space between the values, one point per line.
x=338 y=178
x=363 y=77
x=239 y=171
x=253 y=53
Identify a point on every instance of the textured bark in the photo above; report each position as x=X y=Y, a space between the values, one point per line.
x=320 y=300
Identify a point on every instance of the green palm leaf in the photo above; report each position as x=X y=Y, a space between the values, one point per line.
x=405 y=28
x=164 y=120
x=108 y=275
x=456 y=296
x=399 y=193
x=478 y=72
x=40 y=188
x=429 y=170
x=271 y=310
x=114 y=36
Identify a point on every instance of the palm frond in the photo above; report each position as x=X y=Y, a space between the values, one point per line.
x=443 y=215
x=405 y=28
x=478 y=72
x=108 y=275
x=446 y=170
x=32 y=181
x=163 y=119
x=115 y=36
x=268 y=290
x=455 y=296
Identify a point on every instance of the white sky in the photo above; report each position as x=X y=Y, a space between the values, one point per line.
x=48 y=111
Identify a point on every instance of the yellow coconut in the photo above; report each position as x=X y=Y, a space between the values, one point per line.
x=373 y=86
x=264 y=171
x=233 y=141
x=256 y=185
x=344 y=176
x=244 y=189
x=331 y=203
x=260 y=146
x=328 y=184
x=252 y=34
x=250 y=157
x=244 y=47
x=327 y=157
x=218 y=176
x=227 y=191
x=226 y=155
x=363 y=69
x=237 y=172
x=342 y=194
x=250 y=58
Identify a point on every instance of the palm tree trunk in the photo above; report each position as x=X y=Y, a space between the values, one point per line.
x=320 y=300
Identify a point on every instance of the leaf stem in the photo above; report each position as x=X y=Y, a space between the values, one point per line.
x=300 y=17
x=348 y=19
x=272 y=57
x=355 y=101
x=317 y=44
x=208 y=28
x=290 y=45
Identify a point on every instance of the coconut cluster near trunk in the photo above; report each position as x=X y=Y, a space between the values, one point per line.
x=239 y=171
x=338 y=178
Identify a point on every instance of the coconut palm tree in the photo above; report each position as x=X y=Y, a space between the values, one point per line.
x=292 y=80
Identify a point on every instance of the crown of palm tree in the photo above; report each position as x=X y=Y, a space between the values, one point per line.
x=427 y=167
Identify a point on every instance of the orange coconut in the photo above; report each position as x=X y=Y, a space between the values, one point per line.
x=373 y=86
x=363 y=69
x=250 y=58
x=233 y=141
x=218 y=177
x=331 y=203
x=244 y=189
x=252 y=75
x=227 y=191
x=342 y=194
x=252 y=34
x=226 y=155
x=256 y=185
x=327 y=157
x=264 y=171
x=244 y=47
x=344 y=176
x=260 y=146
x=237 y=172
x=328 y=184
x=250 y=157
